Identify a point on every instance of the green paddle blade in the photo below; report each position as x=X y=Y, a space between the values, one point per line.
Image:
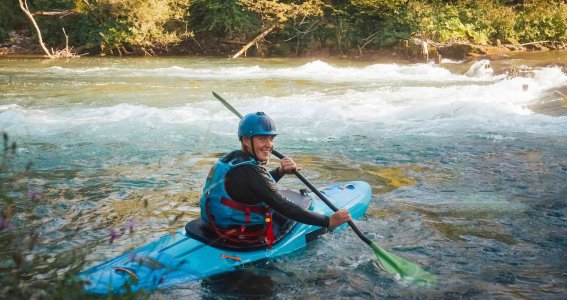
x=402 y=269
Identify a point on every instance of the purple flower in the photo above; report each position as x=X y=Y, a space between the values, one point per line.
x=129 y=226
x=34 y=196
x=114 y=234
x=4 y=223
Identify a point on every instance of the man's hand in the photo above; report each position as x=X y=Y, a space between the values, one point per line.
x=287 y=166
x=339 y=218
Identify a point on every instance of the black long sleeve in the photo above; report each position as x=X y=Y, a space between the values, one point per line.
x=250 y=185
x=276 y=174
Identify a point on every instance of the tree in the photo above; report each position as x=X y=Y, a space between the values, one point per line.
x=142 y=24
x=276 y=14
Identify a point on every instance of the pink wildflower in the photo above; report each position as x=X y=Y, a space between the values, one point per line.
x=34 y=196
x=114 y=234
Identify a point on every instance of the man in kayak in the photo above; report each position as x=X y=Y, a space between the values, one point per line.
x=240 y=199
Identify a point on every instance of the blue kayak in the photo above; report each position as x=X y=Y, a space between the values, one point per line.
x=193 y=253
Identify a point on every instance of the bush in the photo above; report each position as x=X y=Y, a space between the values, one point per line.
x=115 y=26
x=224 y=19
x=540 y=20
x=141 y=24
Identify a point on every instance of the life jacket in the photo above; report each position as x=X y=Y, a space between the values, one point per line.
x=231 y=220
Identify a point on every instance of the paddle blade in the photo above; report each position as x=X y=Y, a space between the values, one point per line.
x=402 y=269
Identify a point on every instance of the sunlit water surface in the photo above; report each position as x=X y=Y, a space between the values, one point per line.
x=468 y=168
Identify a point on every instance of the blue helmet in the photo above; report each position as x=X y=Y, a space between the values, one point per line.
x=256 y=124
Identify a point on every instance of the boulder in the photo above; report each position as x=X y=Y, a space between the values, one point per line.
x=536 y=47
x=462 y=51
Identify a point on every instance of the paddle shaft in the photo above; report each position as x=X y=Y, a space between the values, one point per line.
x=300 y=176
x=322 y=197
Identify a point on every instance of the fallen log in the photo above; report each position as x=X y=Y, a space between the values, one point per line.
x=533 y=43
x=254 y=41
x=58 y=13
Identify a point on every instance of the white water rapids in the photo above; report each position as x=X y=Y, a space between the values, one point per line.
x=468 y=166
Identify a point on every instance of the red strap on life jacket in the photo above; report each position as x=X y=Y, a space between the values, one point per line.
x=247 y=209
x=243 y=207
x=270 y=238
x=242 y=235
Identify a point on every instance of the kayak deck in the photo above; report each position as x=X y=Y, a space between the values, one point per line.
x=178 y=258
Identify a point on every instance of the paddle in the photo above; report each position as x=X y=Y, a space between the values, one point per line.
x=394 y=265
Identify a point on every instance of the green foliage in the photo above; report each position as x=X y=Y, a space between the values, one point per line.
x=542 y=20
x=142 y=24
x=390 y=19
x=10 y=18
x=280 y=12
x=115 y=26
x=475 y=21
x=221 y=18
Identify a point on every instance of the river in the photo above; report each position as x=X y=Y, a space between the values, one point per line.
x=468 y=167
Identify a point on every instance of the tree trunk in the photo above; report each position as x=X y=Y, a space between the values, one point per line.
x=24 y=6
x=254 y=41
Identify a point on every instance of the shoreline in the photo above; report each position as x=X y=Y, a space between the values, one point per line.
x=376 y=55
x=513 y=60
x=404 y=52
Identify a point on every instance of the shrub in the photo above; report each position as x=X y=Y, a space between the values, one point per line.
x=540 y=20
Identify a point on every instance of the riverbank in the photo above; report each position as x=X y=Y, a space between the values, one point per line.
x=405 y=51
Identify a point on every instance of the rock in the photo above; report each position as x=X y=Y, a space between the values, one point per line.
x=19 y=42
x=494 y=51
x=511 y=47
x=456 y=51
x=515 y=71
x=437 y=58
x=512 y=41
x=536 y=47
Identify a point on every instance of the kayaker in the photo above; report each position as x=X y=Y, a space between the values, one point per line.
x=240 y=199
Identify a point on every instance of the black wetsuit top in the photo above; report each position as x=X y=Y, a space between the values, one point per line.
x=251 y=185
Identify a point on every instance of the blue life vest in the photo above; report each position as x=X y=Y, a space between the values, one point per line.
x=218 y=209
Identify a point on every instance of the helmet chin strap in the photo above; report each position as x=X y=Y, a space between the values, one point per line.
x=253 y=152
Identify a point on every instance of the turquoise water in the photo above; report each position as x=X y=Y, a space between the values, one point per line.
x=468 y=171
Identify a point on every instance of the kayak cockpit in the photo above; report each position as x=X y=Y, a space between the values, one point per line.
x=201 y=231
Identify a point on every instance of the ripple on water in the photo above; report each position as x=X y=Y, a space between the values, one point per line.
x=468 y=176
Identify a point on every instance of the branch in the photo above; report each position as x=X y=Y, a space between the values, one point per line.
x=24 y=7
x=59 y=13
x=254 y=41
x=303 y=33
x=524 y=44
x=368 y=39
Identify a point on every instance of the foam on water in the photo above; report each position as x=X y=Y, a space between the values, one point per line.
x=313 y=71
x=450 y=61
x=400 y=106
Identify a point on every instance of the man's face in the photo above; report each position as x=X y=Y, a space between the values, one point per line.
x=262 y=145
